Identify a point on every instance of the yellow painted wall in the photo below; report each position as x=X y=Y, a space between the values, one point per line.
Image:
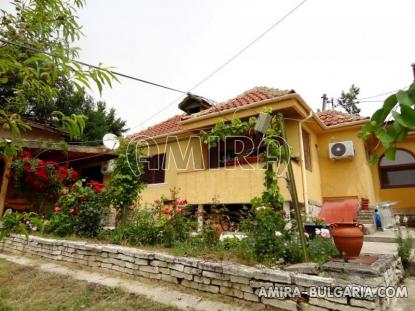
x=313 y=177
x=181 y=156
x=405 y=196
x=345 y=177
x=200 y=185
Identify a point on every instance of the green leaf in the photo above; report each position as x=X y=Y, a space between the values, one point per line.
x=390 y=153
x=377 y=117
x=404 y=99
x=399 y=119
x=384 y=137
x=407 y=116
x=374 y=159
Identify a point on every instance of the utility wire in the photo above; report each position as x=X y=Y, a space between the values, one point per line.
x=382 y=94
x=241 y=51
x=93 y=66
x=228 y=61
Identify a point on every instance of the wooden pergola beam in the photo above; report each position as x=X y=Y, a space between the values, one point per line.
x=5 y=183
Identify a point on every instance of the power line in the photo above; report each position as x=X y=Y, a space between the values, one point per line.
x=382 y=94
x=228 y=61
x=95 y=67
x=241 y=51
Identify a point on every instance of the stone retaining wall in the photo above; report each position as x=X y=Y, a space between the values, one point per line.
x=224 y=278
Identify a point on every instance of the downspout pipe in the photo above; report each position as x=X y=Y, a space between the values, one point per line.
x=303 y=169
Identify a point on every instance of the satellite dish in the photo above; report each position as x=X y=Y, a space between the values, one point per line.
x=110 y=141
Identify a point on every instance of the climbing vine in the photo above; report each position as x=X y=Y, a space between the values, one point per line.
x=126 y=184
x=276 y=153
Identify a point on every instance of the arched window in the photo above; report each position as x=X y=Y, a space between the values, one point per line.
x=399 y=172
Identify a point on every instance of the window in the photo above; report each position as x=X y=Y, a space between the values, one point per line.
x=399 y=172
x=307 y=150
x=236 y=150
x=154 y=169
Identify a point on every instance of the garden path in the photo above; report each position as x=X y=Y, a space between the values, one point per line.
x=154 y=291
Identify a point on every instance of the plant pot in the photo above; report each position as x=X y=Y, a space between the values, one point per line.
x=365 y=204
x=311 y=229
x=218 y=229
x=348 y=237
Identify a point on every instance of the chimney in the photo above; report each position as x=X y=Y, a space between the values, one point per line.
x=413 y=69
x=324 y=98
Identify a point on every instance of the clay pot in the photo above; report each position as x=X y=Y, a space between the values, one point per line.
x=218 y=229
x=348 y=237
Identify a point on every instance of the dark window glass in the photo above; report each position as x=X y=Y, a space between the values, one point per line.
x=399 y=172
x=307 y=150
x=154 y=169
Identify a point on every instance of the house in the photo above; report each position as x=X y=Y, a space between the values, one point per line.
x=178 y=158
x=45 y=142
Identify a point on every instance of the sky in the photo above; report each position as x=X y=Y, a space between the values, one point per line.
x=323 y=47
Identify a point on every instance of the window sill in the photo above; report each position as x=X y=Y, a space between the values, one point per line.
x=156 y=185
x=397 y=187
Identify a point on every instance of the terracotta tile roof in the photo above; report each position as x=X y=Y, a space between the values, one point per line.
x=333 y=117
x=256 y=94
x=251 y=96
x=168 y=126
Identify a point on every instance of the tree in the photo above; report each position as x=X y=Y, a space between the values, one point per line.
x=36 y=64
x=29 y=76
x=70 y=101
x=100 y=122
x=348 y=101
x=392 y=123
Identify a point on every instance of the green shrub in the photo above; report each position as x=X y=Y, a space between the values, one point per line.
x=404 y=247
x=231 y=244
x=22 y=223
x=80 y=210
x=145 y=229
x=293 y=250
x=60 y=224
x=265 y=234
x=321 y=249
x=176 y=229
x=89 y=221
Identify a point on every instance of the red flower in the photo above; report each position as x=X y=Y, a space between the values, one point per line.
x=96 y=186
x=74 y=175
x=181 y=202
x=83 y=198
x=179 y=211
x=73 y=211
x=26 y=154
x=166 y=211
x=57 y=209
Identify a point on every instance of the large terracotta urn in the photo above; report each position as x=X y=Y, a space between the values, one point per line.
x=348 y=237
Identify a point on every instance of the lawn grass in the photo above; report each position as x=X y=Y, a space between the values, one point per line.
x=26 y=288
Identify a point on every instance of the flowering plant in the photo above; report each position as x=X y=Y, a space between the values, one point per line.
x=23 y=223
x=321 y=247
x=42 y=180
x=318 y=221
x=324 y=233
x=79 y=210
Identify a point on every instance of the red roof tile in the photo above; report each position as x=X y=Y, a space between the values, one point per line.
x=328 y=117
x=333 y=117
x=254 y=95
x=251 y=96
x=168 y=126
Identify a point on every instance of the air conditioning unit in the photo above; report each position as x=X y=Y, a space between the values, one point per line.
x=341 y=150
x=107 y=167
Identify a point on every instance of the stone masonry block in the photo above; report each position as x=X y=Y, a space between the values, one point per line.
x=181 y=275
x=215 y=275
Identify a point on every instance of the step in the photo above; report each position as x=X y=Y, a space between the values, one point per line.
x=369 y=229
x=379 y=248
